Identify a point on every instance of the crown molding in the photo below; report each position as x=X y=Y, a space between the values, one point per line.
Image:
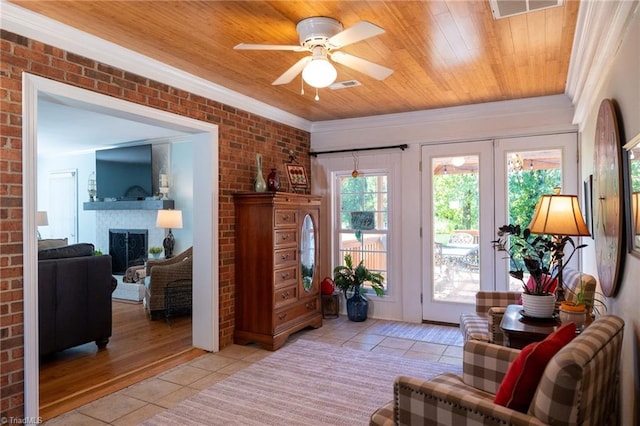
x=600 y=29
x=553 y=104
x=38 y=27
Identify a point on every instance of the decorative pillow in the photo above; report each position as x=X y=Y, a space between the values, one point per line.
x=74 y=250
x=521 y=381
x=52 y=243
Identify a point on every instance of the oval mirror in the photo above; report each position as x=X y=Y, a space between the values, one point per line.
x=307 y=253
x=632 y=193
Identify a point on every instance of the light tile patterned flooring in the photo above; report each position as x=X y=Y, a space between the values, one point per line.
x=135 y=404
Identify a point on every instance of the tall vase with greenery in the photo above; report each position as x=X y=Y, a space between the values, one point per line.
x=537 y=254
x=350 y=280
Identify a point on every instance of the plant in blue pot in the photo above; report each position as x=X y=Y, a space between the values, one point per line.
x=350 y=280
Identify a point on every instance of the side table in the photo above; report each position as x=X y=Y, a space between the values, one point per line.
x=331 y=305
x=521 y=331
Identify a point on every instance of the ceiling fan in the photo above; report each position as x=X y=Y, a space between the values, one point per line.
x=322 y=37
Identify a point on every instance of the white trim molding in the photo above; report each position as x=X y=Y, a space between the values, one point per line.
x=38 y=27
x=519 y=117
x=600 y=29
x=204 y=135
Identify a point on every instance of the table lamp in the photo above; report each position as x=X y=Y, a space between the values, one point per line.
x=559 y=215
x=41 y=220
x=169 y=219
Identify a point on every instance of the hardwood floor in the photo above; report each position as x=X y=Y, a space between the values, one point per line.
x=139 y=348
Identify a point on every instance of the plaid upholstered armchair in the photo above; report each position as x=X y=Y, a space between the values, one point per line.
x=484 y=323
x=579 y=386
x=163 y=273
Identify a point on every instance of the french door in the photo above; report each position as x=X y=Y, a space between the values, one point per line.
x=468 y=190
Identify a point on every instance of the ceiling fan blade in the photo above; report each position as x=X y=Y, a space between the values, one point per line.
x=249 y=46
x=358 y=32
x=292 y=72
x=372 y=69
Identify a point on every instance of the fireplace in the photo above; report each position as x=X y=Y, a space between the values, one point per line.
x=127 y=247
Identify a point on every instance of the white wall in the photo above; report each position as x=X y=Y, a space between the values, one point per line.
x=181 y=181
x=622 y=84
x=552 y=114
x=85 y=165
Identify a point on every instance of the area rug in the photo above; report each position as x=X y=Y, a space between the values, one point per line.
x=434 y=333
x=304 y=383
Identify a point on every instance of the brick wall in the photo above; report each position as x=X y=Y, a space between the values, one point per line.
x=241 y=135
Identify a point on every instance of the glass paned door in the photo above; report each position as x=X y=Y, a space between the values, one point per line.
x=457 y=220
x=530 y=174
x=455 y=195
x=468 y=190
x=525 y=169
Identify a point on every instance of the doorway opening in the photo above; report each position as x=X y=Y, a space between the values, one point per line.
x=204 y=136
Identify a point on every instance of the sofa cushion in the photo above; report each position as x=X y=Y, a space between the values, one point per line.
x=74 y=250
x=521 y=381
x=52 y=243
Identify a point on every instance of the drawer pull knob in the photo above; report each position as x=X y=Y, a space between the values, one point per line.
x=285 y=256
x=310 y=305
x=285 y=237
x=285 y=276
x=282 y=316
x=286 y=217
x=285 y=295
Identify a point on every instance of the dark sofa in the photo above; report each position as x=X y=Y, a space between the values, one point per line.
x=74 y=297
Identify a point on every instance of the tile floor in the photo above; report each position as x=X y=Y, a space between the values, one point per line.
x=135 y=404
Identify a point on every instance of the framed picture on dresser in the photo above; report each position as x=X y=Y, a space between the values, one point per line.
x=297 y=176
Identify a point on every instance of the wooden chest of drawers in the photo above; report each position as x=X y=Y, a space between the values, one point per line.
x=277 y=252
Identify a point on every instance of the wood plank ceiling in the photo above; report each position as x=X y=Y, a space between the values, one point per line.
x=444 y=53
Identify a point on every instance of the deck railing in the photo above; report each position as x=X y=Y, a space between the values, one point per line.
x=375 y=257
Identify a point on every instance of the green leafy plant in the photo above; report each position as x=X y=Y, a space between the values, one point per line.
x=347 y=278
x=97 y=252
x=155 y=250
x=580 y=303
x=537 y=254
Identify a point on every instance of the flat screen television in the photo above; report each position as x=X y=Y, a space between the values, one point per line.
x=124 y=173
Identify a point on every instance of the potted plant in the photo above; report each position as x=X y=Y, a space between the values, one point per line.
x=155 y=251
x=538 y=255
x=350 y=279
x=576 y=310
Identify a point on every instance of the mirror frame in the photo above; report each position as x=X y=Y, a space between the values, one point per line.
x=628 y=195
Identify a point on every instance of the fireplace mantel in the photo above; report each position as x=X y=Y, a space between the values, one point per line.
x=129 y=205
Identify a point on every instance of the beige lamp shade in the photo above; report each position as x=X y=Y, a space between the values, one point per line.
x=169 y=219
x=42 y=219
x=558 y=214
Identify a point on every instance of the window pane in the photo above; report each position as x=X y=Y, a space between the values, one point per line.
x=456 y=262
x=530 y=174
x=366 y=193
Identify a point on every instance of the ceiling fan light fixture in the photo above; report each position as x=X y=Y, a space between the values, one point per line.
x=319 y=73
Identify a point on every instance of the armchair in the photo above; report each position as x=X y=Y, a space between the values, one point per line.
x=579 y=386
x=161 y=273
x=484 y=323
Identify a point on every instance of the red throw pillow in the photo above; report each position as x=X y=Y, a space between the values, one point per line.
x=521 y=381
